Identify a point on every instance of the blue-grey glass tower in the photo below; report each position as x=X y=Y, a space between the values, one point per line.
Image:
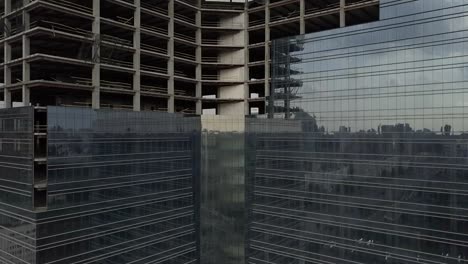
x=111 y=186
x=17 y=218
x=372 y=167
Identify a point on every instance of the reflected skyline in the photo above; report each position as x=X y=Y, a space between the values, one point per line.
x=378 y=73
x=377 y=172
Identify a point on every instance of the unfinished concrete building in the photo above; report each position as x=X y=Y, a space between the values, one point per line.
x=363 y=160
x=189 y=56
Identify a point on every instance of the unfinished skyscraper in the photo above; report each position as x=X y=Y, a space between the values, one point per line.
x=188 y=56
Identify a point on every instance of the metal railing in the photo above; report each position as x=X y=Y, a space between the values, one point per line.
x=155 y=29
x=153 y=8
x=219 y=24
x=361 y=3
x=82 y=81
x=181 y=92
x=210 y=77
x=293 y=14
x=184 y=55
x=152 y=68
x=223 y=61
x=185 y=18
x=116 y=40
x=115 y=62
x=153 y=48
x=61 y=27
x=219 y=42
x=185 y=37
x=218 y=5
x=116 y=85
x=319 y=10
x=190 y=2
x=210 y=59
x=182 y=74
x=117 y=106
x=123 y=20
x=161 y=90
x=254 y=23
x=153 y=89
x=211 y=41
x=71 y=5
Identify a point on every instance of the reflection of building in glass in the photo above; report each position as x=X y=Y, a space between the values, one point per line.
x=381 y=177
x=284 y=86
x=222 y=190
x=362 y=158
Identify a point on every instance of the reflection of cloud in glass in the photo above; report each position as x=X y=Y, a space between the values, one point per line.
x=414 y=73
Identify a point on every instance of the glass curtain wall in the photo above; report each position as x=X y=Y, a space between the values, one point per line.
x=377 y=169
x=223 y=212
x=120 y=188
x=17 y=223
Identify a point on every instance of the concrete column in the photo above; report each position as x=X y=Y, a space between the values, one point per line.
x=7 y=4
x=302 y=17
x=342 y=13
x=198 y=55
x=7 y=58
x=7 y=76
x=246 y=61
x=26 y=16
x=26 y=72
x=136 y=58
x=26 y=97
x=267 y=47
x=170 y=63
x=96 y=74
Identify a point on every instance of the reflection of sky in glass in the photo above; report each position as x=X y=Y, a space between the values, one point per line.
x=410 y=69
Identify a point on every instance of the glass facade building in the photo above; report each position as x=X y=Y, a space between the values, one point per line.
x=376 y=171
x=119 y=187
x=17 y=217
x=362 y=159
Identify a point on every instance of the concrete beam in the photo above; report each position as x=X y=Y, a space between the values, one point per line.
x=96 y=74
x=136 y=58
